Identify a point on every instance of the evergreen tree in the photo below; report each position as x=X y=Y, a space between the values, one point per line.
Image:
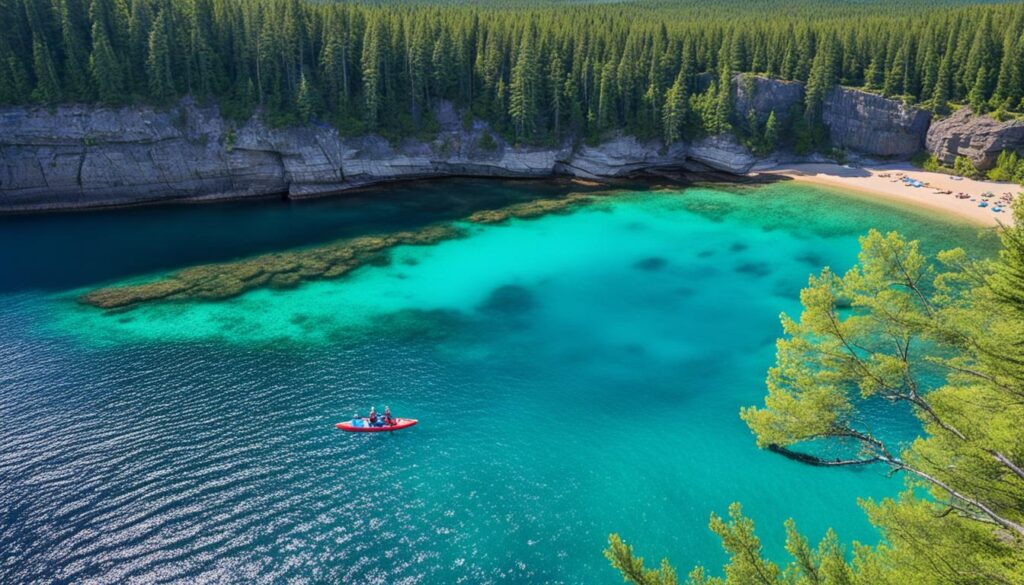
x=771 y=132
x=47 y=84
x=74 y=36
x=1008 y=89
x=821 y=79
x=978 y=98
x=522 y=107
x=106 y=68
x=381 y=67
x=675 y=111
x=371 y=67
x=943 y=81
x=723 y=95
x=159 y=72
x=556 y=99
x=306 y=101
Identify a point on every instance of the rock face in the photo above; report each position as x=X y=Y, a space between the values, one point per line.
x=979 y=138
x=78 y=156
x=764 y=96
x=83 y=156
x=620 y=157
x=873 y=125
x=722 y=153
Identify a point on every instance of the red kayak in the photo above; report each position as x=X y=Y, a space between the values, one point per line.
x=362 y=425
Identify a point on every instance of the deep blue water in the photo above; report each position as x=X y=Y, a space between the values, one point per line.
x=574 y=375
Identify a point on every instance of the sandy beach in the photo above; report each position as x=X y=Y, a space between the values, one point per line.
x=938 y=193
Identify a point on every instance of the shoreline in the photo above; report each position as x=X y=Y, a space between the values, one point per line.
x=884 y=182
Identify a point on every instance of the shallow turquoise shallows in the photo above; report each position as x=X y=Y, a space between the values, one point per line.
x=574 y=375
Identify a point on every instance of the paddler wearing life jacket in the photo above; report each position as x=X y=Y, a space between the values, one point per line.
x=388 y=420
x=373 y=416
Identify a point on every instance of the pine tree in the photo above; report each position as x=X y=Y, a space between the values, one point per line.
x=556 y=99
x=159 y=73
x=47 y=84
x=606 y=110
x=821 y=79
x=940 y=97
x=896 y=74
x=106 y=69
x=522 y=105
x=139 y=27
x=306 y=101
x=74 y=36
x=977 y=98
x=723 y=96
x=371 y=65
x=1008 y=91
x=771 y=133
x=205 y=64
x=674 y=114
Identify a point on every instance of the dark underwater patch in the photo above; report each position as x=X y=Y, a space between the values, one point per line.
x=738 y=247
x=509 y=299
x=412 y=324
x=756 y=269
x=811 y=259
x=651 y=264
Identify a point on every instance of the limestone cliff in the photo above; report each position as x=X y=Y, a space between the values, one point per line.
x=979 y=138
x=77 y=156
x=874 y=125
x=85 y=156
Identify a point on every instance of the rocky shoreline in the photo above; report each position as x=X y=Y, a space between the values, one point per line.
x=77 y=156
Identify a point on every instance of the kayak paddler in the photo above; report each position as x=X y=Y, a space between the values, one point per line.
x=373 y=415
x=387 y=416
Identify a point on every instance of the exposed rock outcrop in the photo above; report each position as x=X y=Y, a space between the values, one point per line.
x=874 y=125
x=78 y=156
x=722 y=153
x=86 y=156
x=764 y=96
x=979 y=138
x=621 y=156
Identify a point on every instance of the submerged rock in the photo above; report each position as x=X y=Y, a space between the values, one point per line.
x=509 y=299
x=652 y=264
x=277 y=270
x=530 y=209
x=289 y=269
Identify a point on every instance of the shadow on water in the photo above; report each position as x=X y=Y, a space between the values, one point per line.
x=59 y=251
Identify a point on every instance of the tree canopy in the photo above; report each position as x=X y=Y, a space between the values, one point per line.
x=537 y=71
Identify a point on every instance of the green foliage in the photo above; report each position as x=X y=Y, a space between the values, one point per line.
x=1009 y=167
x=930 y=162
x=963 y=167
x=621 y=556
x=488 y=143
x=536 y=73
x=825 y=564
x=942 y=337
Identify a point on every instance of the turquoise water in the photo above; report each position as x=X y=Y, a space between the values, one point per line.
x=574 y=375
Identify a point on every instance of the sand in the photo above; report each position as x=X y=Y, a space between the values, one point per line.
x=872 y=180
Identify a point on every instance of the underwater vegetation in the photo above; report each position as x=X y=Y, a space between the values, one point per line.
x=293 y=267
